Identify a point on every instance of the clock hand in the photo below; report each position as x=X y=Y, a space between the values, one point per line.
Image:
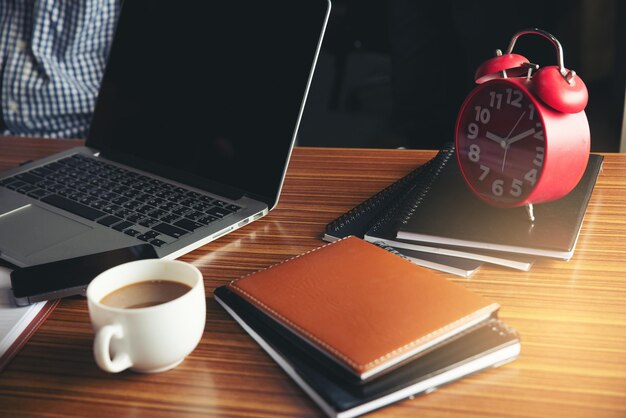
x=496 y=138
x=520 y=136
x=515 y=126
x=506 y=148
x=506 y=140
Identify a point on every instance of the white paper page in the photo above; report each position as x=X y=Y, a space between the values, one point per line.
x=13 y=319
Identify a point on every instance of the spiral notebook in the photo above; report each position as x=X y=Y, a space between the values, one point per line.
x=367 y=219
x=384 y=230
x=447 y=213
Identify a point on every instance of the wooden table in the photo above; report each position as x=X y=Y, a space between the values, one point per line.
x=571 y=316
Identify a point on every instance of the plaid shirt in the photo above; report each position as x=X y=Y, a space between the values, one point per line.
x=52 y=57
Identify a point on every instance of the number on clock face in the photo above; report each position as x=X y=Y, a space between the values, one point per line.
x=500 y=141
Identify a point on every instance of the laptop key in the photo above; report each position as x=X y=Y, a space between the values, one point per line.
x=170 y=230
x=202 y=206
x=5 y=182
x=109 y=220
x=86 y=199
x=143 y=237
x=175 y=197
x=120 y=189
x=73 y=207
x=152 y=234
x=54 y=187
x=123 y=213
x=98 y=204
x=123 y=225
x=145 y=209
x=18 y=184
x=111 y=208
x=155 y=201
x=76 y=196
x=218 y=211
x=108 y=196
x=53 y=166
x=147 y=236
x=26 y=189
x=134 y=217
x=38 y=193
x=207 y=219
x=168 y=206
x=188 y=225
x=147 y=222
x=194 y=215
x=41 y=171
x=132 y=204
x=143 y=197
x=66 y=191
x=157 y=213
x=220 y=203
x=120 y=200
x=169 y=218
x=132 y=232
x=188 y=202
x=180 y=210
x=29 y=178
x=157 y=242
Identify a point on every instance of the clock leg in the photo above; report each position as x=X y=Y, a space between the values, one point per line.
x=530 y=212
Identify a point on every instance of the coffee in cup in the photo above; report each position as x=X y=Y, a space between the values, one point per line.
x=145 y=294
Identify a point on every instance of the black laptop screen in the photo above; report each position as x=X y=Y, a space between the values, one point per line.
x=208 y=92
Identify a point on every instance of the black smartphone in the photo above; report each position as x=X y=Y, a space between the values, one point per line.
x=70 y=277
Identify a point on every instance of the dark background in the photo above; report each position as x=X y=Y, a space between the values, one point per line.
x=393 y=73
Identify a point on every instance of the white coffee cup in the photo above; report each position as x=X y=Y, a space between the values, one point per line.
x=147 y=339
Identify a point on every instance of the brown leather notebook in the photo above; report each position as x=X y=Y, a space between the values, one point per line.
x=362 y=306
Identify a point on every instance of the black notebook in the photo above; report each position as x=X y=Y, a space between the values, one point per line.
x=367 y=219
x=458 y=266
x=447 y=213
x=450 y=259
x=489 y=345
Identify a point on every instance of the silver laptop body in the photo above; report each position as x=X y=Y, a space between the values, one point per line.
x=196 y=118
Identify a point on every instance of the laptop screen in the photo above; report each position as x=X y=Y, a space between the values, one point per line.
x=208 y=92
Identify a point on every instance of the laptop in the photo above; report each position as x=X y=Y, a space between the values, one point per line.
x=191 y=136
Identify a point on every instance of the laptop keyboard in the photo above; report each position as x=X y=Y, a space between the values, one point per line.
x=137 y=205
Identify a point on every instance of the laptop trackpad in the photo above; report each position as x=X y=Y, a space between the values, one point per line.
x=30 y=228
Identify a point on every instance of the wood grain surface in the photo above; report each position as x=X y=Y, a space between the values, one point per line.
x=571 y=316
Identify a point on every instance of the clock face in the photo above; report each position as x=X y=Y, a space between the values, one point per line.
x=501 y=143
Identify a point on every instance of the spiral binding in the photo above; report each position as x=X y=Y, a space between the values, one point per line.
x=388 y=223
x=374 y=201
x=379 y=198
x=419 y=197
x=388 y=220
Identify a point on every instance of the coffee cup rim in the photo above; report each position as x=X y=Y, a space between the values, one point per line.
x=96 y=300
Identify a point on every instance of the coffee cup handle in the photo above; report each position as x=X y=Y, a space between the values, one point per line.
x=101 y=349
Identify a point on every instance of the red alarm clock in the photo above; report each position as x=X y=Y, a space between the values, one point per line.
x=522 y=136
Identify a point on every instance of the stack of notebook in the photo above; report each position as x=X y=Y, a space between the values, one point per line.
x=358 y=328
x=432 y=218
